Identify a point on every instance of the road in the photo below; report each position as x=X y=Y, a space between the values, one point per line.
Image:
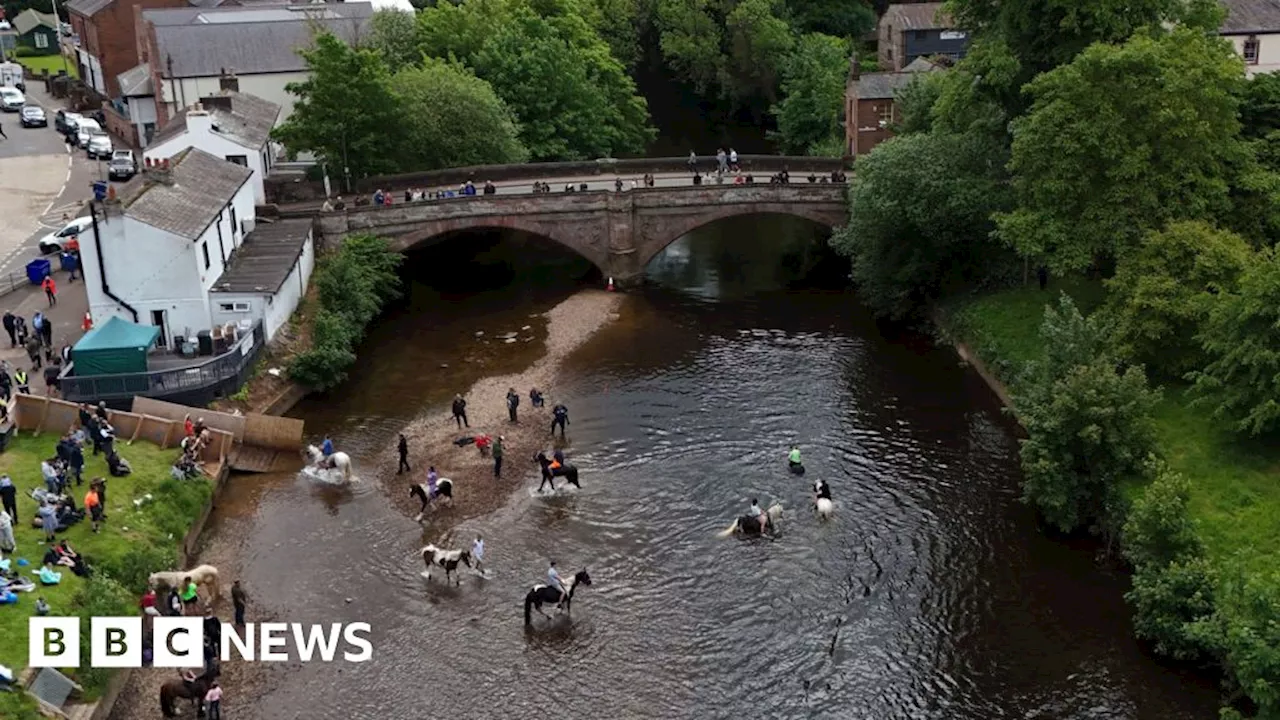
x=41 y=181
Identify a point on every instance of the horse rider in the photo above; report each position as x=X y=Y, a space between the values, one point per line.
x=757 y=513
x=554 y=582
x=326 y=450
x=794 y=456
x=432 y=477
x=821 y=491
x=559 y=416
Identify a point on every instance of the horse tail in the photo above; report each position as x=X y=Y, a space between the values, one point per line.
x=528 y=608
x=166 y=701
x=571 y=471
x=733 y=527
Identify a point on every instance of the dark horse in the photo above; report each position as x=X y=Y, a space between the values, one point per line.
x=562 y=469
x=193 y=691
x=444 y=488
x=540 y=594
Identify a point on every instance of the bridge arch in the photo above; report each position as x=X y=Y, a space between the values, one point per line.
x=426 y=232
x=661 y=232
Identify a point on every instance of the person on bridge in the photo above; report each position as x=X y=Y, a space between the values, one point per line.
x=403 y=449
x=460 y=411
x=513 y=402
x=559 y=416
x=733 y=160
x=693 y=162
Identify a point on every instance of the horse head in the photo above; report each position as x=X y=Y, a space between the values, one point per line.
x=541 y=459
x=582 y=578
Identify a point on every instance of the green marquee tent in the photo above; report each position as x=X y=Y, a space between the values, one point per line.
x=113 y=348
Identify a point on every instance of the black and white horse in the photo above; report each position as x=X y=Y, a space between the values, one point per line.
x=554 y=469
x=444 y=489
x=447 y=559
x=750 y=524
x=822 y=499
x=540 y=594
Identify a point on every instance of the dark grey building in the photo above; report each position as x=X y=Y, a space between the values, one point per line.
x=916 y=30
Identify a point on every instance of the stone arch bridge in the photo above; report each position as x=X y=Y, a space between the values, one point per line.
x=619 y=232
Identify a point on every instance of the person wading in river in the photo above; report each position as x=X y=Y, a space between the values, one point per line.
x=460 y=411
x=403 y=449
x=497 y=458
x=559 y=416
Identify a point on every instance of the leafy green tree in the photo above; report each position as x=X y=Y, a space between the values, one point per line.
x=1159 y=529
x=916 y=102
x=345 y=111
x=919 y=209
x=454 y=118
x=813 y=86
x=1260 y=106
x=730 y=48
x=1122 y=140
x=1163 y=289
x=1088 y=426
x=1170 y=602
x=691 y=36
x=841 y=18
x=1241 y=338
x=760 y=41
x=393 y=34
x=1246 y=633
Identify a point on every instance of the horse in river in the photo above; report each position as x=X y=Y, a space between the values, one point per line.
x=554 y=469
x=447 y=559
x=444 y=489
x=337 y=461
x=750 y=524
x=193 y=691
x=540 y=594
x=822 y=504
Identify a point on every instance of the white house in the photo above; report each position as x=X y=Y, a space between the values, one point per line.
x=267 y=277
x=137 y=95
x=230 y=125
x=158 y=246
x=1253 y=27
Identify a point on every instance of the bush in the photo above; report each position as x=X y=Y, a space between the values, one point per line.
x=101 y=596
x=133 y=568
x=353 y=285
x=1246 y=632
x=1089 y=426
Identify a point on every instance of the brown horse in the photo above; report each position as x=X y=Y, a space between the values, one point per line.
x=194 y=692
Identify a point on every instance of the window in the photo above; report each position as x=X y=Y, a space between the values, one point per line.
x=239 y=159
x=41 y=40
x=1251 y=47
x=204 y=247
x=886 y=114
x=237 y=307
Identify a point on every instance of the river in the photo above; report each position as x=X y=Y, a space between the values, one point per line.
x=931 y=593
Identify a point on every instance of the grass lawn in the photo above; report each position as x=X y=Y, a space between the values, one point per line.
x=1235 y=483
x=54 y=64
x=132 y=539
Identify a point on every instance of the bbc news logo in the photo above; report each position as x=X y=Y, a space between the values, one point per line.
x=178 y=642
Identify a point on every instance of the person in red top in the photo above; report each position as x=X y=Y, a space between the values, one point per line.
x=187 y=427
x=148 y=603
x=50 y=290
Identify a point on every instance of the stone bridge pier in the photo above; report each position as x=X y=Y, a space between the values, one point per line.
x=619 y=232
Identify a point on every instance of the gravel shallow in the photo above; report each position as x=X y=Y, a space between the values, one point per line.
x=569 y=325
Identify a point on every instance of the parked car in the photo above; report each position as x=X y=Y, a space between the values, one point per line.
x=11 y=99
x=52 y=243
x=122 y=166
x=64 y=121
x=33 y=116
x=86 y=129
x=99 y=147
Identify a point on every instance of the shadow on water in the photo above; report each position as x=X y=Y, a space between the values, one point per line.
x=930 y=593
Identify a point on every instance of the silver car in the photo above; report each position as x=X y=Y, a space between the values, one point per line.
x=99 y=147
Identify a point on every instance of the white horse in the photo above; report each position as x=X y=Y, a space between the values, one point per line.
x=447 y=559
x=822 y=504
x=750 y=524
x=206 y=575
x=337 y=461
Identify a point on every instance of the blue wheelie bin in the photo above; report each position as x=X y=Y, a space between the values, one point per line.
x=38 y=270
x=69 y=262
x=99 y=190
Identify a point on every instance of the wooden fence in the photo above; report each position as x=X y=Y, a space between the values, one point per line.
x=275 y=433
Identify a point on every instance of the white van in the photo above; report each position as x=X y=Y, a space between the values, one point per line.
x=11 y=75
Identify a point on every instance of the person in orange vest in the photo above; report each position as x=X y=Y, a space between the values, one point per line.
x=93 y=503
x=87 y=324
x=50 y=290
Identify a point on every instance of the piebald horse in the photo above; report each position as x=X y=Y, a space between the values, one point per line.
x=444 y=489
x=822 y=504
x=447 y=559
x=201 y=575
x=540 y=594
x=750 y=524
x=339 y=460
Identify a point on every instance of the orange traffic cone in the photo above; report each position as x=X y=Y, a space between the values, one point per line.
x=610 y=287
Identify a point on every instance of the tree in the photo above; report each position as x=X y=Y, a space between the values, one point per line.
x=1241 y=337
x=454 y=119
x=916 y=102
x=919 y=209
x=1260 y=106
x=813 y=87
x=1163 y=289
x=1088 y=426
x=1246 y=633
x=1158 y=530
x=1170 y=602
x=393 y=34
x=731 y=48
x=1122 y=140
x=345 y=112
x=840 y=18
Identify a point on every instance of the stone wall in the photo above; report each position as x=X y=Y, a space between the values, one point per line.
x=284 y=190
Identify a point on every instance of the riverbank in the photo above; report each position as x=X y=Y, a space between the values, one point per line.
x=1235 y=484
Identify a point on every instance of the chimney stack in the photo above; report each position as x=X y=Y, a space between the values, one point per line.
x=158 y=171
x=229 y=81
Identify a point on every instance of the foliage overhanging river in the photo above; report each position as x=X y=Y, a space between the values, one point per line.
x=932 y=594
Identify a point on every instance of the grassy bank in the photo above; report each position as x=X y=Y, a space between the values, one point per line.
x=53 y=63
x=1235 y=499
x=133 y=542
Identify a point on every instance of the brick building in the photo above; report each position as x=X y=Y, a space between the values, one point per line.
x=871 y=106
x=108 y=45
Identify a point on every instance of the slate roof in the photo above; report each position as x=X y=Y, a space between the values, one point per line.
x=27 y=20
x=249 y=40
x=264 y=261
x=201 y=186
x=87 y=8
x=883 y=86
x=918 y=16
x=136 y=82
x=248 y=123
x=1251 y=16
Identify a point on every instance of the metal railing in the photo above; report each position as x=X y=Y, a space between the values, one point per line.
x=167 y=383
